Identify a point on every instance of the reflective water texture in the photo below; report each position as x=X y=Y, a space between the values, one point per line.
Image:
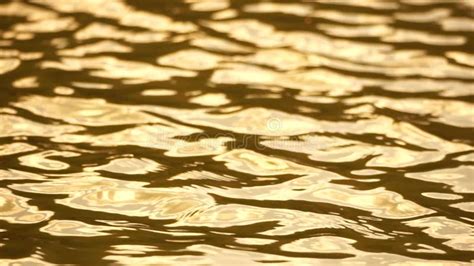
x=237 y=132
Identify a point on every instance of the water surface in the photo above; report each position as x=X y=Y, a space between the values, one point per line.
x=237 y=132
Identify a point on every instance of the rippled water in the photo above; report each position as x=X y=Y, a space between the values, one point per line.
x=237 y=132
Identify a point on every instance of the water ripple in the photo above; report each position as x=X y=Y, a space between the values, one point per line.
x=237 y=132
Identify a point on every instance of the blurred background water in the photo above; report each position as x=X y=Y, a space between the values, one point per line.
x=237 y=132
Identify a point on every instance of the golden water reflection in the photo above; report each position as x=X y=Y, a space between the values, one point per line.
x=237 y=132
